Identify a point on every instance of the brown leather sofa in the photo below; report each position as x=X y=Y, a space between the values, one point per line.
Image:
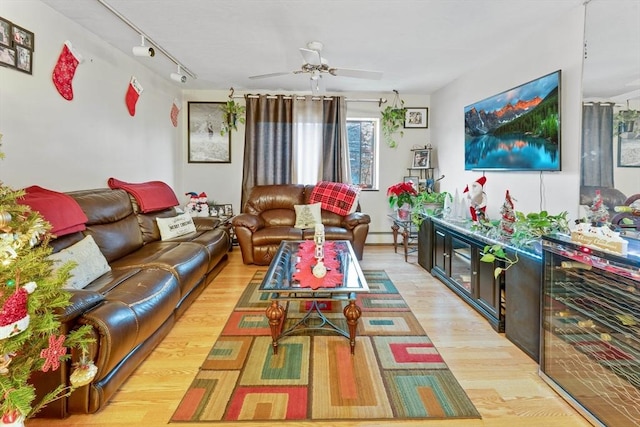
x=131 y=308
x=269 y=217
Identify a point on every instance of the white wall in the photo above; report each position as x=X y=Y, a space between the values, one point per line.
x=557 y=46
x=66 y=145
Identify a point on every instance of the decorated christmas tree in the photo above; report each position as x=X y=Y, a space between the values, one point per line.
x=31 y=296
x=508 y=216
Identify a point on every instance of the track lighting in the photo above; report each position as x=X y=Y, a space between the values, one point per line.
x=143 y=50
x=179 y=77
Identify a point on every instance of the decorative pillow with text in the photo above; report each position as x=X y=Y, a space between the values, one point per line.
x=176 y=226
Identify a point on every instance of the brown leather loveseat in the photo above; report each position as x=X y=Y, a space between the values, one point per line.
x=131 y=308
x=269 y=217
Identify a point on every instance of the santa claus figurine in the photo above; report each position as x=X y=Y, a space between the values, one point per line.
x=477 y=199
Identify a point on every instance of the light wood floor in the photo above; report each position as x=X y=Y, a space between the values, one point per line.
x=500 y=379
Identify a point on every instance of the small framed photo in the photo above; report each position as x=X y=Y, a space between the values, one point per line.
x=206 y=144
x=222 y=211
x=414 y=180
x=7 y=57
x=421 y=159
x=5 y=33
x=23 y=59
x=22 y=37
x=416 y=118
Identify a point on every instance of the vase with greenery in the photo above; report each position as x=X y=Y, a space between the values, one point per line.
x=393 y=117
x=233 y=114
x=429 y=203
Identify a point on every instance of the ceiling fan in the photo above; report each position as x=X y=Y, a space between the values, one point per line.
x=315 y=65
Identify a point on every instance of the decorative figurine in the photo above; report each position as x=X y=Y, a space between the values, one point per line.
x=477 y=199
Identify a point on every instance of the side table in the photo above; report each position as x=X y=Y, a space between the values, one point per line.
x=409 y=234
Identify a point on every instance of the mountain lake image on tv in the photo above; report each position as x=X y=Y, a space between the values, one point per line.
x=518 y=129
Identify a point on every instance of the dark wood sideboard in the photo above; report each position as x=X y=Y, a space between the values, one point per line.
x=510 y=302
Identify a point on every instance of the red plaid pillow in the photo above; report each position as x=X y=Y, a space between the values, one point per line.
x=335 y=196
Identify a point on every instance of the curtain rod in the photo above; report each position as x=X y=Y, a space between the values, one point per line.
x=380 y=101
x=147 y=38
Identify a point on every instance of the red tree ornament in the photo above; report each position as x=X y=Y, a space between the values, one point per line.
x=53 y=354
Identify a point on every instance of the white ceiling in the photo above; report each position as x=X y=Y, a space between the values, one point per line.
x=419 y=45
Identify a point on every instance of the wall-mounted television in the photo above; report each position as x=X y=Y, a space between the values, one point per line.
x=515 y=130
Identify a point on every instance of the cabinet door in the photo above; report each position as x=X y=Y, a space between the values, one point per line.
x=461 y=272
x=440 y=255
x=488 y=292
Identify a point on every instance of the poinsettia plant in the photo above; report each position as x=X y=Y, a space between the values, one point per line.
x=402 y=193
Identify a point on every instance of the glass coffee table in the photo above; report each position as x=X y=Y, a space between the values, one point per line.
x=284 y=283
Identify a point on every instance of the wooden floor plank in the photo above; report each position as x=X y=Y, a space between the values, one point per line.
x=512 y=395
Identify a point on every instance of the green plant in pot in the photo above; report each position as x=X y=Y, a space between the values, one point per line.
x=429 y=203
x=393 y=117
x=233 y=114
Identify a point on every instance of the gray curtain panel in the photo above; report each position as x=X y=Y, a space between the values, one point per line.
x=597 y=145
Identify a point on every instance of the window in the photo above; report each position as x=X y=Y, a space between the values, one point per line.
x=362 y=137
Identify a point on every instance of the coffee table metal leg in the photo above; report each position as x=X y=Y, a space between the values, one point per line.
x=275 y=314
x=352 y=313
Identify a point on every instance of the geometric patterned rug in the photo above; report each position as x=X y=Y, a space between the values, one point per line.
x=395 y=373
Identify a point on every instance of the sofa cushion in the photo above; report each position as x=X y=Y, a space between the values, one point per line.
x=90 y=263
x=176 y=226
x=335 y=197
x=307 y=216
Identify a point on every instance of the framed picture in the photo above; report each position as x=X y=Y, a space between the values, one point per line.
x=5 y=33
x=221 y=211
x=23 y=59
x=205 y=144
x=22 y=37
x=629 y=144
x=416 y=118
x=421 y=159
x=415 y=180
x=7 y=57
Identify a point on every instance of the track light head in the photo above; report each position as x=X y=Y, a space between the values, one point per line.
x=180 y=78
x=143 y=51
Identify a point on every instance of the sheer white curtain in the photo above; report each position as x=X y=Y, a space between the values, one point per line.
x=308 y=131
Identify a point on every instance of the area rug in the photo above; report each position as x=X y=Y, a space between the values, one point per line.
x=395 y=372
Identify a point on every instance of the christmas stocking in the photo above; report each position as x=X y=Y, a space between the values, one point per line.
x=175 y=109
x=65 y=69
x=133 y=93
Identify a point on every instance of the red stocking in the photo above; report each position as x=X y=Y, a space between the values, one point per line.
x=133 y=93
x=65 y=69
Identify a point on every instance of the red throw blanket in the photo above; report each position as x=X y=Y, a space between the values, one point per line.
x=335 y=196
x=59 y=209
x=151 y=196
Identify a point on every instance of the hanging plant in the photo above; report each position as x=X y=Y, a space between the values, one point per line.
x=233 y=114
x=393 y=117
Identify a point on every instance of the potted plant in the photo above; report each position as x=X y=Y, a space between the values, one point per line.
x=429 y=203
x=402 y=197
x=393 y=117
x=233 y=113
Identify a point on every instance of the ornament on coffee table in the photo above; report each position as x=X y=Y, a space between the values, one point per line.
x=508 y=216
x=477 y=199
x=319 y=270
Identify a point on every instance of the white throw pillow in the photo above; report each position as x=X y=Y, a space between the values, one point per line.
x=307 y=216
x=90 y=263
x=175 y=226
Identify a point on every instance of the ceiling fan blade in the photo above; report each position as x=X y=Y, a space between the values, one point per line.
x=358 y=74
x=311 y=56
x=264 y=76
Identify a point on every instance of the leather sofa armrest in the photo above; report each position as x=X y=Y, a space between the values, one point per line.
x=352 y=220
x=204 y=223
x=81 y=301
x=251 y=222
